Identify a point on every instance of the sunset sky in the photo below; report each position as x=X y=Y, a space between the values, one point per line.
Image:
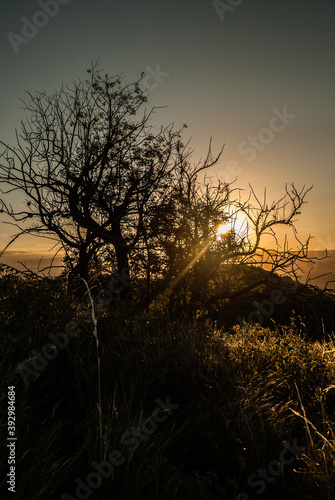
x=256 y=76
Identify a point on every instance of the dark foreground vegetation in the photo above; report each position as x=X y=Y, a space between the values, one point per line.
x=150 y=384
x=185 y=405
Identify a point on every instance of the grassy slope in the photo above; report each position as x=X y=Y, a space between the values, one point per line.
x=241 y=394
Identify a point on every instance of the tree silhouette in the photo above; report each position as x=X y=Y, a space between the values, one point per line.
x=106 y=186
x=208 y=267
x=91 y=169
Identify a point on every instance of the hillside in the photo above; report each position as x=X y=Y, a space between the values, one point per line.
x=163 y=408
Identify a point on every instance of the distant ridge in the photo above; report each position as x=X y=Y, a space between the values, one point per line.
x=321 y=267
x=32 y=261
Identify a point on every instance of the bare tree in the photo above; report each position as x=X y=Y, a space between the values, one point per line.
x=89 y=167
x=211 y=267
x=102 y=183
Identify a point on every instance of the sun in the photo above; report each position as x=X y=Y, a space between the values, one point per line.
x=235 y=225
x=223 y=229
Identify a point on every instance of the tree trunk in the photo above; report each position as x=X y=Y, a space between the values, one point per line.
x=83 y=264
x=122 y=270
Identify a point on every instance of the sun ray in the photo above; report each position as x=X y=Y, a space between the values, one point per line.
x=190 y=264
